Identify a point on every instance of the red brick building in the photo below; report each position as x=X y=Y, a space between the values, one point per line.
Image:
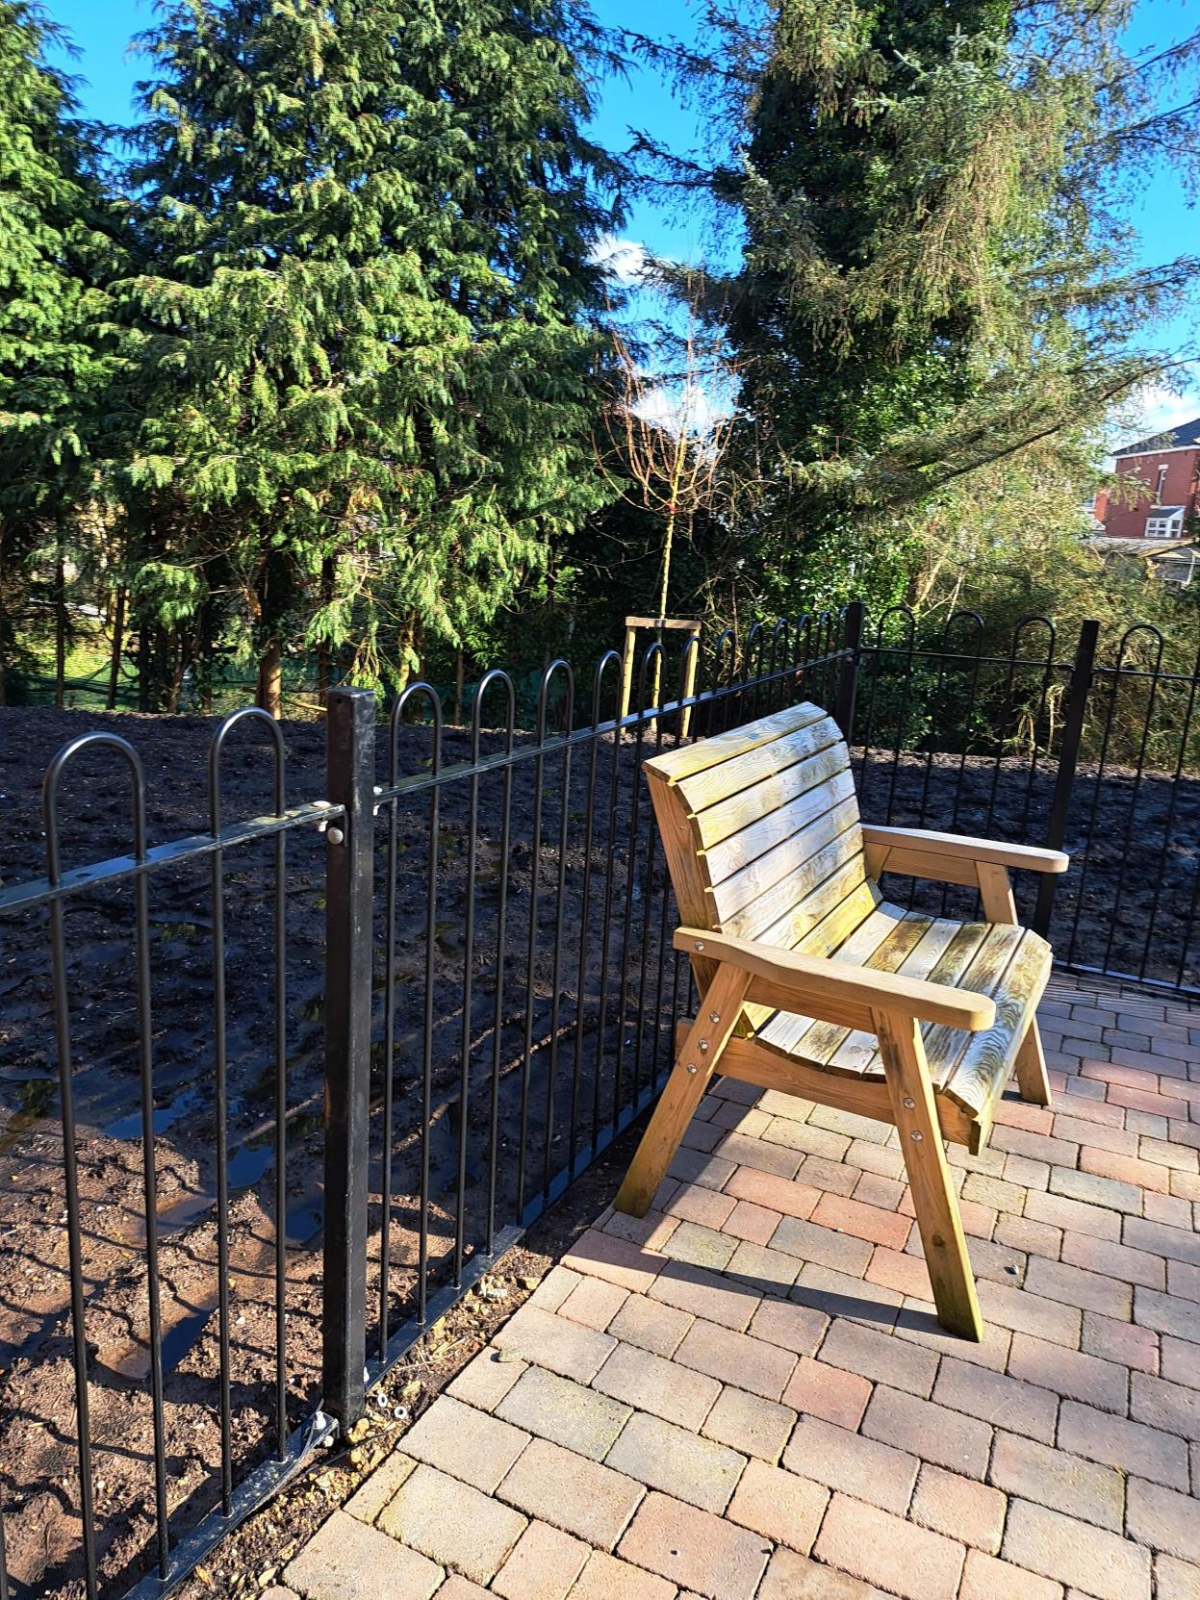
x=1167 y=470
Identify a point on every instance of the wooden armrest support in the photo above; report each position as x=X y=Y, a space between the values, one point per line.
x=958 y=847
x=814 y=985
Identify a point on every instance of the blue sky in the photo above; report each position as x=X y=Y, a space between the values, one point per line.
x=1159 y=212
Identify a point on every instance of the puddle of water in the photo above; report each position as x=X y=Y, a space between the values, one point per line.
x=130 y=1127
x=304 y=1221
x=248 y=1163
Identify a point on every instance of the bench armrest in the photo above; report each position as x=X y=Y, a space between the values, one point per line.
x=959 y=848
x=824 y=988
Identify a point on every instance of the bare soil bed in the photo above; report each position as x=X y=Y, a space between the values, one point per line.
x=567 y=1024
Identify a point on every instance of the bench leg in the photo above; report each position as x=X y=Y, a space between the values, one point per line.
x=719 y=1013
x=1031 y=1067
x=934 y=1200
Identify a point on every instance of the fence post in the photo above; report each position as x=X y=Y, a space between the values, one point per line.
x=847 y=689
x=1077 y=697
x=349 y=861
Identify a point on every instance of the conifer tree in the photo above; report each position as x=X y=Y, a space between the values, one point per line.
x=55 y=253
x=365 y=317
x=933 y=278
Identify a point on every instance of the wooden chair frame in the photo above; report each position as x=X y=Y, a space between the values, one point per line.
x=732 y=973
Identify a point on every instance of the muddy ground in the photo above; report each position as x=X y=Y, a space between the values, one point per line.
x=545 y=1071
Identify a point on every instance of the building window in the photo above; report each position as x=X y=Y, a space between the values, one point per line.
x=1160 y=485
x=1166 y=527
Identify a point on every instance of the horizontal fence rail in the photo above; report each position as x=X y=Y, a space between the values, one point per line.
x=284 y=1087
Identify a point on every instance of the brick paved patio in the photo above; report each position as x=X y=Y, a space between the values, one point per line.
x=745 y=1395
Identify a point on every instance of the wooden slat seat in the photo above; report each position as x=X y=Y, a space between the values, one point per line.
x=812 y=983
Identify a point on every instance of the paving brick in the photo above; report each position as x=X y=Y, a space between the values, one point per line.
x=1132 y=1446
x=918 y=1324
x=1114 y=1260
x=650 y=1232
x=779 y=1505
x=880 y=1357
x=1028 y=1174
x=829 y=1392
x=1085 y=1131
x=543 y=1566
x=1037 y=1146
x=703 y=1247
x=997 y=1193
x=366 y=1503
x=1164 y=1520
x=1169 y=1406
x=811 y=1242
x=601 y=1255
x=789 y=1198
x=642 y=1379
x=1145 y=1100
x=751 y=1222
x=1176 y=1580
x=1035 y=1238
x=882 y=1549
x=1122 y=1342
x=1166 y=1314
x=1069 y=1372
x=748 y=1423
x=905 y=1273
x=672 y=1459
x=862 y=1221
x=565 y=1412
x=770 y=1271
x=978 y=1221
x=824 y=1172
x=705 y=1294
x=1072 y=1214
x=839 y=1295
x=695 y=1549
x=693 y=1166
x=1075 y=1286
x=877 y=1158
x=456 y=1587
x=565 y=1347
x=1169 y=1210
x=572 y=1493
x=466 y=1443
x=1096 y=1191
x=986 y=1578
x=933 y=1432
x=762 y=1154
x=1125 y=1170
x=865 y=1468
x=850 y=1124
x=792 y=1327
x=1099 y=1563
x=453 y=1524
x=488 y=1379
x=692 y=1202
x=738 y=1358
x=607 y=1578
x=347 y=1560
x=1067 y=1483
x=790 y=1576
x=1024 y=1312
x=1179 y=1361
x=1162 y=1239
x=873 y=1189
x=959 y=1507
x=651 y=1325
x=554 y=1288
x=594 y=1302
x=1018 y=1407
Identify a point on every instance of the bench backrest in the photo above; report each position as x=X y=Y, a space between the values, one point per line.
x=762 y=834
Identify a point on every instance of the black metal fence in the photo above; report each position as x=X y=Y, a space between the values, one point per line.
x=389 y=1023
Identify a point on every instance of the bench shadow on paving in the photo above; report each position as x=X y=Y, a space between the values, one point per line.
x=745 y=1395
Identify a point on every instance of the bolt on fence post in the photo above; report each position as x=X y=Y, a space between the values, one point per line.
x=349 y=864
x=847 y=689
x=1080 y=686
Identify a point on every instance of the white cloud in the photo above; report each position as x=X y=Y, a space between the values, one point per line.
x=691 y=409
x=1154 y=409
x=622 y=259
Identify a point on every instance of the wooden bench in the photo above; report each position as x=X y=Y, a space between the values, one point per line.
x=812 y=983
